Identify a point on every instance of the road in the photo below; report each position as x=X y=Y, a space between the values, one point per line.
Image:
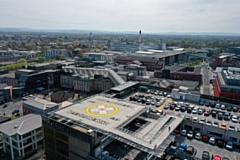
x=205 y=88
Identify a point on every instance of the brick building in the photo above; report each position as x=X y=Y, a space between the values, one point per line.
x=227 y=83
x=180 y=73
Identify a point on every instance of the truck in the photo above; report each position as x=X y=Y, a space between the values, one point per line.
x=143 y=88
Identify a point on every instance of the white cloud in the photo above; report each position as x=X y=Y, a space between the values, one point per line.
x=148 y=15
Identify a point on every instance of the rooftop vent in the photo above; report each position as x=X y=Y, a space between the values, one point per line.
x=16 y=126
x=90 y=131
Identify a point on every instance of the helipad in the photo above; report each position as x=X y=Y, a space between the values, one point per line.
x=101 y=109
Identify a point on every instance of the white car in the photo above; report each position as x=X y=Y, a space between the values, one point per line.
x=234 y=119
x=217 y=106
x=183 y=132
x=198 y=136
x=169 y=96
x=190 y=134
x=211 y=141
x=194 y=111
x=195 y=119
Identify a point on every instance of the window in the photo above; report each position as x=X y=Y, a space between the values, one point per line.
x=233 y=139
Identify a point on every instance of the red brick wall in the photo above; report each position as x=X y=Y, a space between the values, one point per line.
x=26 y=111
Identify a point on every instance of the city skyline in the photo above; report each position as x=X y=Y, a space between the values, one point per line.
x=150 y=16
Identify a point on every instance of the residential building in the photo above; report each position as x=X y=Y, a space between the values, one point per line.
x=227 y=83
x=52 y=53
x=22 y=137
x=33 y=104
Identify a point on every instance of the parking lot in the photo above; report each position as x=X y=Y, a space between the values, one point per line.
x=201 y=146
x=11 y=106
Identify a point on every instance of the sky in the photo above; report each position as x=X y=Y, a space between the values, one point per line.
x=151 y=16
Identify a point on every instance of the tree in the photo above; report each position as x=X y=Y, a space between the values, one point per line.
x=23 y=61
x=60 y=56
x=70 y=48
x=41 y=59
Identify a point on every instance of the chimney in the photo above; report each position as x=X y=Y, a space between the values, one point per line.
x=140 y=40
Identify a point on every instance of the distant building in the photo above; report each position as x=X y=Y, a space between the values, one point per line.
x=94 y=56
x=52 y=53
x=5 y=93
x=235 y=50
x=223 y=60
x=180 y=73
x=9 y=79
x=22 y=136
x=227 y=83
x=37 y=105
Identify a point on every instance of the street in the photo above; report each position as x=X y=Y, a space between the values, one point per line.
x=205 y=88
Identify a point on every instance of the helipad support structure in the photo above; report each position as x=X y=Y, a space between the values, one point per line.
x=97 y=117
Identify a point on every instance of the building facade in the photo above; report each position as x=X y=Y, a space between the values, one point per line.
x=227 y=83
x=23 y=136
x=52 y=53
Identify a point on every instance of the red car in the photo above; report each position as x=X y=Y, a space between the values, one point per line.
x=206 y=113
x=177 y=130
x=217 y=157
x=205 y=138
x=172 y=107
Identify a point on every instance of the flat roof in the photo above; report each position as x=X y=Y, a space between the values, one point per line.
x=124 y=86
x=22 y=125
x=110 y=116
x=25 y=70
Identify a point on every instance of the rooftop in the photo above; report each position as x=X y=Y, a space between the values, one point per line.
x=113 y=116
x=8 y=75
x=124 y=86
x=39 y=103
x=21 y=125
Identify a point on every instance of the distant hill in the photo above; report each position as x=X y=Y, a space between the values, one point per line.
x=28 y=30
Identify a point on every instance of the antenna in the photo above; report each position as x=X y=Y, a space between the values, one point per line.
x=140 y=40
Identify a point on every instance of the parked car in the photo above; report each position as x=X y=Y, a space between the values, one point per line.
x=183 y=109
x=212 y=141
x=177 y=130
x=231 y=127
x=200 y=111
x=229 y=145
x=190 y=150
x=217 y=157
x=205 y=155
x=223 y=125
x=234 y=119
x=195 y=119
x=208 y=122
x=202 y=120
x=206 y=113
x=174 y=145
x=172 y=106
x=198 y=136
x=201 y=102
x=229 y=108
x=217 y=106
x=215 y=124
x=189 y=110
x=224 y=158
x=214 y=113
x=194 y=111
x=220 y=115
x=205 y=138
x=190 y=134
x=183 y=132
x=220 y=142
x=227 y=116
x=5 y=105
x=223 y=107
x=177 y=108
x=182 y=147
x=234 y=109
x=15 y=111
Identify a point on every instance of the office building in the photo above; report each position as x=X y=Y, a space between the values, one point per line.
x=22 y=137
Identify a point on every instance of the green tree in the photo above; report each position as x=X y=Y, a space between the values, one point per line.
x=41 y=59
x=60 y=56
x=22 y=61
x=70 y=48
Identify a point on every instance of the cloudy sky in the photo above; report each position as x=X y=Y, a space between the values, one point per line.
x=123 y=15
